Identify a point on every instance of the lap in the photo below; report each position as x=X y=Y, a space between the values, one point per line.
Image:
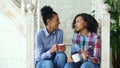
x=44 y=64
x=89 y=65
x=79 y=65
x=59 y=57
x=72 y=65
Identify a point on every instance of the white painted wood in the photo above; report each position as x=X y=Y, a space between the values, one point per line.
x=30 y=36
x=103 y=17
x=12 y=38
x=38 y=15
x=105 y=37
x=22 y=6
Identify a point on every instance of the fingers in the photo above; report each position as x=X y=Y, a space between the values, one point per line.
x=84 y=52
x=64 y=48
x=53 y=49
x=70 y=59
x=84 y=56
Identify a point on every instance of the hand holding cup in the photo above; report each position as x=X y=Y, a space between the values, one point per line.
x=61 y=47
x=76 y=57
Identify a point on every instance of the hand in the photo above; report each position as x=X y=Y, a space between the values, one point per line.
x=63 y=48
x=70 y=59
x=53 y=49
x=84 y=54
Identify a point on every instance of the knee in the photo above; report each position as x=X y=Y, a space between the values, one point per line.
x=61 y=56
x=68 y=65
x=87 y=65
x=49 y=63
x=38 y=65
x=43 y=64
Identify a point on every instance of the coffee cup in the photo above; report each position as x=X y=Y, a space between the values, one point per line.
x=76 y=57
x=60 y=47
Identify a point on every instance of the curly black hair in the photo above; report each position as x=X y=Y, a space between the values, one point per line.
x=47 y=13
x=92 y=24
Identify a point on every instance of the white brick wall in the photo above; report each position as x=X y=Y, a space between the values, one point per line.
x=67 y=10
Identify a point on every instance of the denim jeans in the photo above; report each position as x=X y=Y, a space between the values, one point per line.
x=79 y=65
x=58 y=62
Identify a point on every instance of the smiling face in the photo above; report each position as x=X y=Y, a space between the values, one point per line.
x=54 y=22
x=80 y=24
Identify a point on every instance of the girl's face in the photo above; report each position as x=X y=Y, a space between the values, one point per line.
x=54 y=22
x=80 y=24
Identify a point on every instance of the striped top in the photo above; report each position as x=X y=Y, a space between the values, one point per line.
x=90 y=43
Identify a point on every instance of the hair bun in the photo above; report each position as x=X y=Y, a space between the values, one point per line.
x=46 y=10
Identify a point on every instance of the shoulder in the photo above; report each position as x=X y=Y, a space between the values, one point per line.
x=39 y=32
x=59 y=31
x=74 y=36
x=96 y=36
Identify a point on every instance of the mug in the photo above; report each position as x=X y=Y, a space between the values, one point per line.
x=76 y=57
x=60 y=47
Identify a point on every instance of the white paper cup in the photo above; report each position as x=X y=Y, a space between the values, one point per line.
x=76 y=57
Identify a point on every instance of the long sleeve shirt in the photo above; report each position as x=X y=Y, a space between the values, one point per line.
x=90 y=43
x=44 y=41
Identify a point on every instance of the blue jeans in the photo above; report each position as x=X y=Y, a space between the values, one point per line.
x=83 y=65
x=58 y=62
